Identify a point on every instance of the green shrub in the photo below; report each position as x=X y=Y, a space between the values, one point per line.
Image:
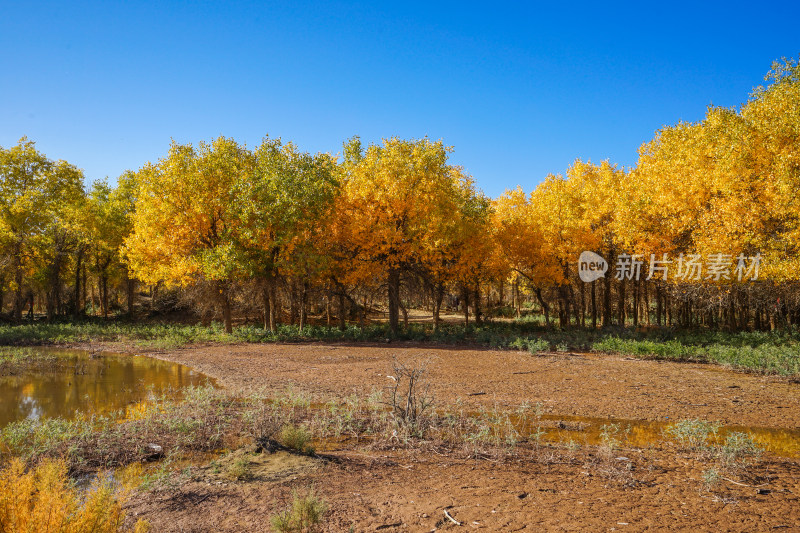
x=538 y=345
x=694 y=434
x=296 y=438
x=739 y=450
x=304 y=514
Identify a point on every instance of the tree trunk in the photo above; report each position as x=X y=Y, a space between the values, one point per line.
x=77 y=310
x=54 y=292
x=501 y=294
x=606 y=301
x=342 y=314
x=130 y=286
x=225 y=303
x=19 y=300
x=303 y=300
x=394 y=299
x=438 y=296
x=328 y=307
x=465 y=304
x=84 y=298
x=574 y=302
x=563 y=306
x=476 y=305
x=265 y=303
x=545 y=307
x=104 y=292
x=583 y=304
x=292 y=303
x=363 y=314
x=594 y=306
x=659 y=304
x=404 y=311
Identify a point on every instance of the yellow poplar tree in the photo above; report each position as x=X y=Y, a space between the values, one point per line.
x=397 y=199
x=186 y=227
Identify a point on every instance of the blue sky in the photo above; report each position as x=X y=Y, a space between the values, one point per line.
x=519 y=90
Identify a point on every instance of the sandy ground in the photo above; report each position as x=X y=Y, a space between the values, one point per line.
x=566 y=384
x=657 y=489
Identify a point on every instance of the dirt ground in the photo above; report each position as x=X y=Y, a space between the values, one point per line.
x=651 y=488
x=567 y=384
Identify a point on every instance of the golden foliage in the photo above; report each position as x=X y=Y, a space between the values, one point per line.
x=42 y=500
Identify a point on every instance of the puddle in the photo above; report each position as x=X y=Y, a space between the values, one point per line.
x=90 y=383
x=642 y=433
x=585 y=430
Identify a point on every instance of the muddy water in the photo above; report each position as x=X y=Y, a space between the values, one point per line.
x=643 y=433
x=90 y=383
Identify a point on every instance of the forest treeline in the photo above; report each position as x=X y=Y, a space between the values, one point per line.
x=709 y=214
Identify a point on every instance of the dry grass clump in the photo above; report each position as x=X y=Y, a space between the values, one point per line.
x=303 y=515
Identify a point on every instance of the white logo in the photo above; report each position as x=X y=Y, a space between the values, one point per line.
x=591 y=267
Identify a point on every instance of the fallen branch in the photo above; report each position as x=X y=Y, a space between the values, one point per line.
x=453 y=520
x=743 y=484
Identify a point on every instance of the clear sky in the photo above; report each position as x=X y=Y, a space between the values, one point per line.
x=519 y=90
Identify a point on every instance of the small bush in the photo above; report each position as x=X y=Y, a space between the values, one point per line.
x=711 y=478
x=302 y=516
x=537 y=346
x=239 y=469
x=738 y=450
x=410 y=396
x=296 y=438
x=694 y=435
x=612 y=437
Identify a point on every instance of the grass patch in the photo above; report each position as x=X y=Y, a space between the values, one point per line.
x=201 y=422
x=239 y=469
x=16 y=360
x=694 y=435
x=296 y=438
x=304 y=514
x=767 y=352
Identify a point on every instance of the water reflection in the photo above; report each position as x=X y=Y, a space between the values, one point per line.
x=642 y=433
x=90 y=383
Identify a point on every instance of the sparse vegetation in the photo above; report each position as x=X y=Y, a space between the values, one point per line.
x=15 y=360
x=239 y=469
x=711 y=478
x=738 y=451
x=768 y=352
x=296 y=438
x=694 y=435
x=303 y=515
x=410 y=396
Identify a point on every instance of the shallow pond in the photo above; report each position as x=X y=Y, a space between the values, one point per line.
x=89 y=383
x=643 y=433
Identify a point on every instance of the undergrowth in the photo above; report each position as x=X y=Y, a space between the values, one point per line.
x=768 y=352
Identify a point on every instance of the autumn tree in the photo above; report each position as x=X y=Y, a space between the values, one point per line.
x=108 y=223
x=187 y=223
x=285 y=206
x=39 y=200
x=398 y=199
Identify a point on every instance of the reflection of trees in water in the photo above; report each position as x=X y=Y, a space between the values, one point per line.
x=89 y=384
